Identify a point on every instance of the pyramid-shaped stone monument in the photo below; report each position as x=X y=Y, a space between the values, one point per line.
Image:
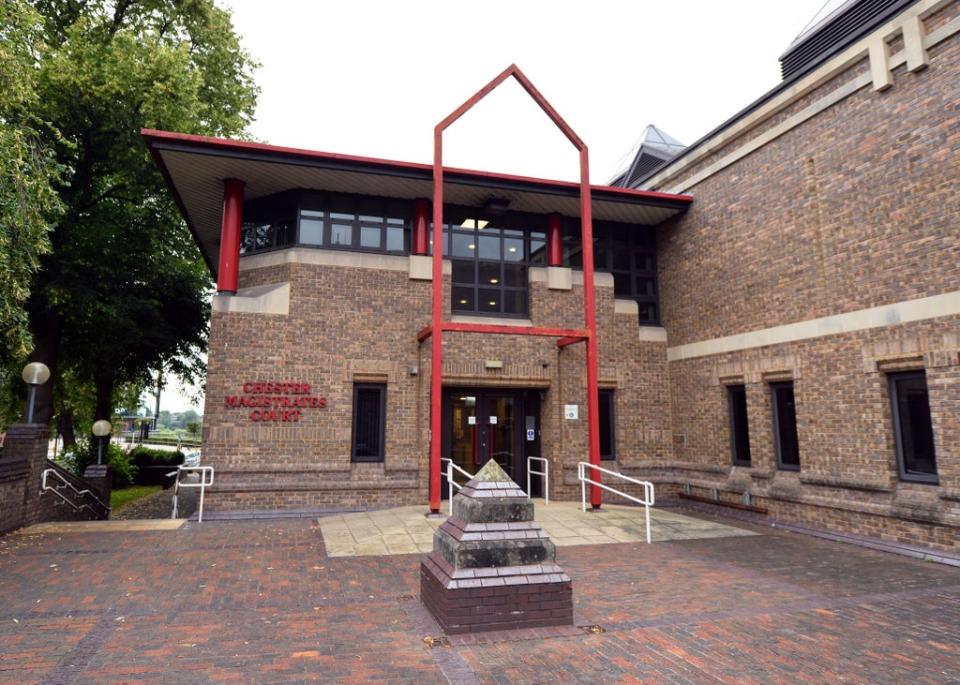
x=492 y=567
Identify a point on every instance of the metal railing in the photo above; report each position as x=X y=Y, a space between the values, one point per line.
x=545 y=474
x=204 y=483
x=451 y=483
x=66 y=484
x=647 y=500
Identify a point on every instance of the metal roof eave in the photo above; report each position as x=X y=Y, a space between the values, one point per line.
x=160 y=143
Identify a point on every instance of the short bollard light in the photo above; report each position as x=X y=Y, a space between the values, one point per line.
x=101 y=429
x=34 y=374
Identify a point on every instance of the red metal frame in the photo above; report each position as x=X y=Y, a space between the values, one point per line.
x=421 y=217
x=554 y=241
x=231 y=222
x=438 y=326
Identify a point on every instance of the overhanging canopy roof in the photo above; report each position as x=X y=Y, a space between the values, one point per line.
x=196 y=166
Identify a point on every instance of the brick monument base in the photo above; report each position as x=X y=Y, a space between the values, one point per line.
x=492 y=567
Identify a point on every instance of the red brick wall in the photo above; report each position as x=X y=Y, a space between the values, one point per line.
x=855 y=208
x=351 y=324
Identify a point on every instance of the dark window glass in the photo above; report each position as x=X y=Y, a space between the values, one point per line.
x=268 y=223
x=785 y=426
x=353 y=222
x=463 y=298
x=913 y=427
x=607 y=420
x=490 y=262
x=369 y=408
x=739 y=430
x=626 y=251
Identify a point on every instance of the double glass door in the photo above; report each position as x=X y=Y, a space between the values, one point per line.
x=484 y=424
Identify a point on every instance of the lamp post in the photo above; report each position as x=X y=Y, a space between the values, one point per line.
x=34 y=374
x=101 y=429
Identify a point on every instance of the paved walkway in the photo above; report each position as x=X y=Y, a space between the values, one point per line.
x=405 y=530
x=262 y=602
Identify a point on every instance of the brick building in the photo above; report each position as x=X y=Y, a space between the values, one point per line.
x=777 y=305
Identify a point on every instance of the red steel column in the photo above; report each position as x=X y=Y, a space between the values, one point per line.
x=421 y=217
x=590 y=320
x=229 y=266
x=554 y=241
x=436 y=340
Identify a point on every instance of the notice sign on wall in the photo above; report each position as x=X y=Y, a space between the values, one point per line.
x=284 y=402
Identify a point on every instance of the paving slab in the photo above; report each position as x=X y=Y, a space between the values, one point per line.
x=388 y=531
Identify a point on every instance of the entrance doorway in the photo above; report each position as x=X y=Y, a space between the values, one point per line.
x=492 y=423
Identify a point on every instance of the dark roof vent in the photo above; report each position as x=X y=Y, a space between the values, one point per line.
x=654 y=149
x=838 y=24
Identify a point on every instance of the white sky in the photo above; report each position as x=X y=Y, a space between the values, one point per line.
x=371 y=77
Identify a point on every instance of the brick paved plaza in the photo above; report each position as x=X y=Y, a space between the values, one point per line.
x=261 y=602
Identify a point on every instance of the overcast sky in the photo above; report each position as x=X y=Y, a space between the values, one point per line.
x=373 y=78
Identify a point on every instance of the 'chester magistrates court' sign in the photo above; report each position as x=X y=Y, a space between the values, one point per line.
x=276 y=401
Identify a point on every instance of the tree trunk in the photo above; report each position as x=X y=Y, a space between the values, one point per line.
x=47 y=330
x=104 y=381
x=68 y=430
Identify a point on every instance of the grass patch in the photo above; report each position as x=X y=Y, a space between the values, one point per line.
x=124 y=496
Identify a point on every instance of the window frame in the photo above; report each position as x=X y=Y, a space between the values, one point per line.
x=777 y=434
x=893 y=391
x=730 y=390
x=364 y=459
x=610 y=395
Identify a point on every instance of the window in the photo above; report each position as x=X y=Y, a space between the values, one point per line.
x=608 y=444
x=490 y=260
x=268 y=223
x=369 y=411
x=348 y=230
x=739 y=430
x=627 y=252
x=785 y=426
x=913 y=427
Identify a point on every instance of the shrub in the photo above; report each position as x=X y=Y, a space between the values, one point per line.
x=121 y=466
x=146 y=456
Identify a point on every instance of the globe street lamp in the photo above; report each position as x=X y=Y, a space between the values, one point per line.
x=101 y=429
x=34 y=374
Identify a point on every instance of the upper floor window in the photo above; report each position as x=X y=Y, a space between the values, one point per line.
x=268 y=223
x=627 y=252
x=490 y=260
x=913 y=427
x=328 y=220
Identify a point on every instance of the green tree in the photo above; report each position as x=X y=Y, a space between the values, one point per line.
x=123 y=288
x=29 y=172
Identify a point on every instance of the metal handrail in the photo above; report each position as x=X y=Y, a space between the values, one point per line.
x=545 y=474
x=56 y=490
x=203 y=485
x=451 y=483
x=648 y=498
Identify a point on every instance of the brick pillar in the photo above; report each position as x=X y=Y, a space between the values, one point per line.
x=100 y=479
x=28 y=443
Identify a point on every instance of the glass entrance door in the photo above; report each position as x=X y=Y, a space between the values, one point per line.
x=482 y=424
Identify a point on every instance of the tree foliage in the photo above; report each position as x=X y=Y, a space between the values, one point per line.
x=123 y=288
x=29 y=204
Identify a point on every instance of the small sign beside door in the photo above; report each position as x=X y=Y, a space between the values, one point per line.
x=571 y=412
x=493 y=420
x=531 y=435
x=471 y=420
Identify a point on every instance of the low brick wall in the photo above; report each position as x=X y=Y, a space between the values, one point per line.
x=22 y=462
